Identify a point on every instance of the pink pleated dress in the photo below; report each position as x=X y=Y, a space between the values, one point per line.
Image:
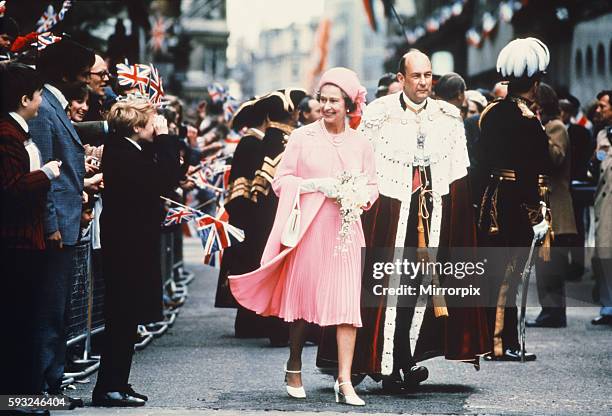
x=312 y=281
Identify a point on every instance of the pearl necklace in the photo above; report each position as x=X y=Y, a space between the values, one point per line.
x=335 y=139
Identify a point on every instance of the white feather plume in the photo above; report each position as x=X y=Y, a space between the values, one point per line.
x=523 y=57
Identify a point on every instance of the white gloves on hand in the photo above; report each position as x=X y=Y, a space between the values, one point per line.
x=326 y=186
x=540 y=229
x=308 y=186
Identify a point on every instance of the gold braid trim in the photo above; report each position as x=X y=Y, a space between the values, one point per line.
x=544 y=191
x=264 y=176
x=241 y=187
x=502 y=300
x=493 y=224
x=255 y=133
x=439 y=302
x=286 y=128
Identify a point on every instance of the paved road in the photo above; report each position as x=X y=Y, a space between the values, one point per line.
x=199 y=368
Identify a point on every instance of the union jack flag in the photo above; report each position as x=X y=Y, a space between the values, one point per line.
x=155 y=86
x=136 y=75
x=202 y=177
x=216 y=234
x=222 y=214
x=45 y=39
x=224 y=172
x=2 y=7
x=158 y=34
x=214 y=259
x=49 y=18
x=229 y=108
x=216 y=92
x=178 y=216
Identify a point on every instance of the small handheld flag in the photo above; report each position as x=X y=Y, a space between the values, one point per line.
x=178 y=216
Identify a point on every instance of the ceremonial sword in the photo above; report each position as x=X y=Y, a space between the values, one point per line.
x=525 y=282
x=525 y=278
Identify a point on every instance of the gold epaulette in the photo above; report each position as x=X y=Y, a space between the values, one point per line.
x=486 y=110
x=255 y=133
x=522 y=105
x=285 y=128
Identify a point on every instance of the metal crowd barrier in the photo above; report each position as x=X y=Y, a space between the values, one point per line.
x=86 y=313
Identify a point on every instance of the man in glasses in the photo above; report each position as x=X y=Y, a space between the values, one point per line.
x=99 y=78
x=63 y=65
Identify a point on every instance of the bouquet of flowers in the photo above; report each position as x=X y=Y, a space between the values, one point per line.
x=351 y=194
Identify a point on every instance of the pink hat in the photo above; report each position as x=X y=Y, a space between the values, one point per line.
x=347 y=81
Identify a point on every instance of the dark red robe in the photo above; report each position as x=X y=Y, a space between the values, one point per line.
x=461 y=336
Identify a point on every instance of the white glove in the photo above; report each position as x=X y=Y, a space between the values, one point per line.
x=52 y=169
x=308 y=185
x=540 y=229
x=326 y=186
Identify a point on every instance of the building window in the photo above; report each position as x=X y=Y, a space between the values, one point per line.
x=589 y=61
x=601 y=59
x=578 y=63
x=442 y=62
x=610 y=57
x=295 y=70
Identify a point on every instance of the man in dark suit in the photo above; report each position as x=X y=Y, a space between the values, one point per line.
x=23 y=189
x=140 y=163
x=62 y=65
x=582 y=147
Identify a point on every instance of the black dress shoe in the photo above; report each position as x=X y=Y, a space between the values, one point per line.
x=510 y=355
x=393 y=383
x=415 y=376
x=116 y=399
x=548 y=322
x=129 y=390
x=602 y=320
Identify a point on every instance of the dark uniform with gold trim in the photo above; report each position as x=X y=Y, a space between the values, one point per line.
x=251 y=206
x=243 y=257
x=513 y=152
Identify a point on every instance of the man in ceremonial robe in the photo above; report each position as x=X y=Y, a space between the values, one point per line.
x=421 y=160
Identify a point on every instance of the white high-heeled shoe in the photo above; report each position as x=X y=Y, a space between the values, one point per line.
x=352 y=399
x=295 y=392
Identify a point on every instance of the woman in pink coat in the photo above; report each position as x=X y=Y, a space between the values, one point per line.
x=313 y=282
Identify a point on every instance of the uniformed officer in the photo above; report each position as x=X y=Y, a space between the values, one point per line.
x=513 y=151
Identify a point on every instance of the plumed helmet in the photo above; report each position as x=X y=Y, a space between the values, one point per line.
x=523 y=58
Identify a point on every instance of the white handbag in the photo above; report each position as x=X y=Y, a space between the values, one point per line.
x=291 y=232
